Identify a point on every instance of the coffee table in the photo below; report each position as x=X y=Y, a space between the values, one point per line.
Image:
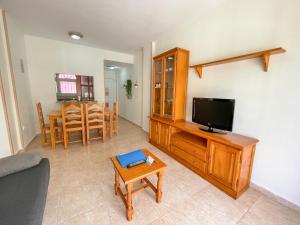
x=138 y=173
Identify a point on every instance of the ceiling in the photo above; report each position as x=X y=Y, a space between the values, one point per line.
x=120 y=25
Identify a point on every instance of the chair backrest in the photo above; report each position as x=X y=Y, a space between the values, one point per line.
x=72 y=115
x=94 y=114
x=115 y=110
x=40 y=116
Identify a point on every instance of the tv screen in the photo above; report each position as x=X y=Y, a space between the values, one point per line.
x=214 y=113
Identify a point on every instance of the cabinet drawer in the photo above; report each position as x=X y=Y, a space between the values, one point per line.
x=189 y=158
x=190 y=148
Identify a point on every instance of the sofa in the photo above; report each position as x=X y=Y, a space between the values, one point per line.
x=23 y=195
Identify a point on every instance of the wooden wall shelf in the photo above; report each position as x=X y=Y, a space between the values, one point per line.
x=264 y=55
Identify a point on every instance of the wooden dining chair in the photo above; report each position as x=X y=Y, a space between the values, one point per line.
x=45 y=128
x=73 y=121
x=115 y=116
x=95 y=120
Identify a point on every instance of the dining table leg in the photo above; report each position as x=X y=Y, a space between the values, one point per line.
x=52 y=132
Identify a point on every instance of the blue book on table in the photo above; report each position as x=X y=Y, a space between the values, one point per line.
x=131 y=157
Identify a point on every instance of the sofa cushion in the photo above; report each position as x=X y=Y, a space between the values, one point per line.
x=19 y=162
x=23 y=195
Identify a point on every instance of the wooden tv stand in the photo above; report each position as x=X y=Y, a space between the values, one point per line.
x=225 y=160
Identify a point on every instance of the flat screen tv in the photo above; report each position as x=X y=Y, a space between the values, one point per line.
x=214 y=113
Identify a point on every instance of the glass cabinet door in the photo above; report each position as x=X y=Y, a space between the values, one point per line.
x=157 y=85
x=169 y=85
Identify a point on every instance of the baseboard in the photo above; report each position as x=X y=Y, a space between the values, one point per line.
x=20 y=151
x=130 y=121
x=30 y=141
x=275 y=197
x=25 y=147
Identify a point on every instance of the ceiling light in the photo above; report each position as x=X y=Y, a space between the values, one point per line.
x=75 y=35
x=112 y=67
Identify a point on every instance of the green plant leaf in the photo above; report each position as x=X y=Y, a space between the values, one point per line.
x=128 y=89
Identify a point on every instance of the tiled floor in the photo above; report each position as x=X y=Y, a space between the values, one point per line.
x=81 y=191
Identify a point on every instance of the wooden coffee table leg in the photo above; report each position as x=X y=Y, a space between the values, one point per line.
x=159 y=184
x=117 y=183
x=129 y=201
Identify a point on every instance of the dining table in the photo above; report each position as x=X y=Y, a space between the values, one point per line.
x=55 y=115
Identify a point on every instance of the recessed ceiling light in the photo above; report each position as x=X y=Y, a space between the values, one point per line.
x=75 y=35
x=112 y=67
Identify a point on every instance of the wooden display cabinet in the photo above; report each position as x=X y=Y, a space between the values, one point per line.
x=223 y=160
x=169 y=87
x=169 y=84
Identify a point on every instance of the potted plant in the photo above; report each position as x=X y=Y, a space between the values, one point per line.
x=128 y=89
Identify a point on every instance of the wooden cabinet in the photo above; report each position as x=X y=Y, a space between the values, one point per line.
x=169 y=84
x=223 y=164
x=164 y=136
x=189 y=160
x=154 y=134
x=157 y=87
x=160 y=134
x=223 y=160
x=169 y=87
x=190 y=150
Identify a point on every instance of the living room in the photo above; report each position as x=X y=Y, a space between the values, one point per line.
x=244 y=53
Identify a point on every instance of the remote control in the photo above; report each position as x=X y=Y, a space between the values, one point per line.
x=149 y=160
x=135 y=163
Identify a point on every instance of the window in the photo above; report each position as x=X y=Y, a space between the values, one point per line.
x=74 y=87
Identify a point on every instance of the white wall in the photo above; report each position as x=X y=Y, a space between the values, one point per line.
x=137 y=77
x=128 y=108
x=46 y=57
x=267 y=104
x=131 y=109
x=146 y=88
x=123 y=74
x=5 y=145
x=17 y=47
x=8 y=95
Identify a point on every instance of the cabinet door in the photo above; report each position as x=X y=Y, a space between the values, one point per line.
x=154 y=131
x=157 y=87
x=169 y=78
x=223 y=162
x=164 y=136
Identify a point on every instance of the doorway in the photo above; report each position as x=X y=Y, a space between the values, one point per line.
x=116 y=75
x=110 y=86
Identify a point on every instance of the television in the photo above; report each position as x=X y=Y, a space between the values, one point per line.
x=213 y=113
